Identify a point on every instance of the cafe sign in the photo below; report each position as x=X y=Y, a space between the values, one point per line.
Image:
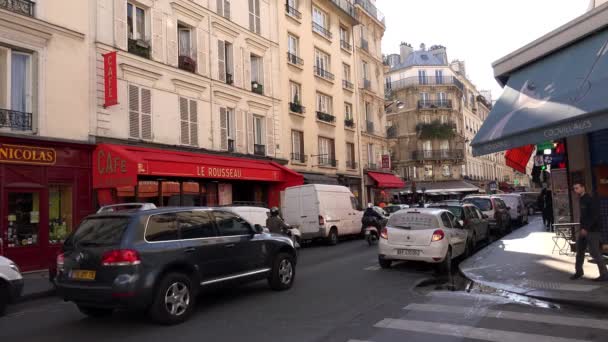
x=21 y=154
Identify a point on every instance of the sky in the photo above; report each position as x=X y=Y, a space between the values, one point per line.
x=476 y=31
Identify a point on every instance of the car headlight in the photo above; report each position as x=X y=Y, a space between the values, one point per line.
x=14 y=267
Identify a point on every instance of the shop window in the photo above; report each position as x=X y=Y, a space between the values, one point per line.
x=60 y=213
x=23 y=218
x=211 y=194
x=191 y=194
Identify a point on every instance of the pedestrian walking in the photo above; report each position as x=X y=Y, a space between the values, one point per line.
x=589 y=234
x=546 y=206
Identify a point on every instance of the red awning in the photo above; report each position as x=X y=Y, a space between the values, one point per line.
x=518 y=158
x=386 y=180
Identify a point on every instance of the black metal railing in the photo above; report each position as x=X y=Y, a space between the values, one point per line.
x=229 y=78
x=434 y=104
x=364 y=44
x=425 y=80
x=186 y=63
x=438 y=154
x=138 y=47
x=349 y=123
x=259 y=150
x=327 y=161
x=321 y=30
x=293 y=59
x=372 y=10
x=299 y=158
x=231 y=145
x=23 y=7
x=371 y=166
x=345 y=45
x=326 y=117
x=348 y=85
x=369 y=126
x=293 y=12
x=351 y=164
x=324 y=73
x=15 y=120
x=391 y=131
x=346 y=6
x=367 y=84
x=297 y=108
x=257 y=88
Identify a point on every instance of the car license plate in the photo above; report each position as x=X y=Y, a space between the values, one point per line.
x=412 y=252
x=82 y=275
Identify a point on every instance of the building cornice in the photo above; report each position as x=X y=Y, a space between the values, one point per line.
x=188 y=10
x=36 y=27
x=131 y=70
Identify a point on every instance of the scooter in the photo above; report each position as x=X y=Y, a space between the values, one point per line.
x=295 y=235
x=371 y=235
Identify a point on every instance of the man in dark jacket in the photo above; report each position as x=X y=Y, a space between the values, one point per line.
x=589 y=234
x=546 y=206
x=275 y=223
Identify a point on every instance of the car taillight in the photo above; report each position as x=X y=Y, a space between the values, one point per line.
x=384 y=233
x=321 y=220
x=60 y=262
x=121 y=257
x=438 y=235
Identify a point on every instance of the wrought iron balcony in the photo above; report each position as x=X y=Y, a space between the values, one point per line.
x=293 y=59
x=364 y=44
x=346 y=6
x=453 y=154
x=327 y=161
x=425 y=81
x=187 y=63
x=299 y=158
x=345 y=45
x=15 y=120
x=369 y=125
x=23 y=7
x=321 y=30
x=231 y=147
x=324 y=73
x=347 y=85
x=138 y=47
x=372 y=10
x=391 y=131
x=351 y=164
x=297 y=108
x=259 y=150
x=434 y=104
x=257 y=88
x=349 y=123
x=367 y=84
x=292 y=11
x=326 y=117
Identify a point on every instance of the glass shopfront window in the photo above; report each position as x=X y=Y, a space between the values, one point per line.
x=60 y=213
x=23 y=218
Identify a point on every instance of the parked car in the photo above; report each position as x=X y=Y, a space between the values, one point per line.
x=517 y=211
x=393 y=208
x=253 y=215
x=426 y=234
x=530 y=201
x=11 y=283
x=159 y=259
x=322 y=211
x=472 y=220
x=494 y=209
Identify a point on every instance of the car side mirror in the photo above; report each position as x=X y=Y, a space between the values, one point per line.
x=258 y=229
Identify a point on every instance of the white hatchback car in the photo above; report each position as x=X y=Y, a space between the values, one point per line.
x=425 y=234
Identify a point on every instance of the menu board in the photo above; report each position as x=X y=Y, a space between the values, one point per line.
x=561 y=196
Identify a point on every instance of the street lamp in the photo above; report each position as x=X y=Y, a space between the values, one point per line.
x=400 y=105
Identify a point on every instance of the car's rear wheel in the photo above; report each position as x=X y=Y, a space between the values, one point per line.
x=94 y=312
x=174 y=299
x=332 y=238
x=385 y=263
x=283 y=272
x=445 y=267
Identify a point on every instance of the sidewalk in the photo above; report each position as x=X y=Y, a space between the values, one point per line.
x=523 y=263
x=36 y=285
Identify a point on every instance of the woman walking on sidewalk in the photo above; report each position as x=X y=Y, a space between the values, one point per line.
x=589 y=235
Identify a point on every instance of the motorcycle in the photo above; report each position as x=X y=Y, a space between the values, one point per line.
x=371 y=229
x=295 y=235
x=371 y=235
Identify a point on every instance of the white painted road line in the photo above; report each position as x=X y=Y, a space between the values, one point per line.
x=465 y=331
x=372 y=268
x=512 y=315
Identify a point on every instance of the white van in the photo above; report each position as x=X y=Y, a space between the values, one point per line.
x=253 y=215
x=322 y=211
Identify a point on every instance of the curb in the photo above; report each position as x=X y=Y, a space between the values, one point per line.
x=36 y=295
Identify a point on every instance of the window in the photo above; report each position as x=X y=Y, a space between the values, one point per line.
x=350 y=155
x=16 y=92
x=426 y=119
x=24 y=218
x=365 y=68
x=324 y=103
x=229 y=224
x=446 y=171
x=344 y=37
x=136 y=22
x=184 y=41
x=422 y=79
x=254 y=16
x=427 y=147
x=322 y=61
x=327 y=152
x=442 y=98
x=346 y=72
x=195 y=225
x=295 y=91
x=428 y=171
x=140 y=112
x=223 y=8
x=447 y=222
x=225 y=62
x=444 y=145
x=257 y=70
x=320 y=21
x=162 y=227
x=443 y=119
x=297 y=146
x=354 y=203
x=227 y=129
x=60 y=212
x=293 y=47
x=348 y=111
x=439 y=76
x=370 y=155
x=258 y=130
x=189 y=121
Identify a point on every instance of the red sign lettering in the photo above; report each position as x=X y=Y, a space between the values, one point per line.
x=110 y=80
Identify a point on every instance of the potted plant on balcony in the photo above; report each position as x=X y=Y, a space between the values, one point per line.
x=296 y=106
x=139 y=47
x=349 y=122
x=257 y=87
x=187 y=63
x=435 y=130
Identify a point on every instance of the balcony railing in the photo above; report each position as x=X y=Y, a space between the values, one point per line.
x=23 y=7
x=364 y=44
x=321 y=30
x=293 y=12
x=138 y=47
x=391 y=131
x=347 y=85
x=324 y=73
x=257 y=88
x=299 y=158
x=231 y=145
x=367 y=84
x=259 y=150
x=372 y=10
x=297 y=108
x=351 y=164
x=346 y=6
x=294 y=59
x=15 y=120
x=345 y=45
x=327 y=161
x=428 y=80
x=349 y=123
x=369 y=127
x=186 y=63
x=326 y=117
x=456 y=154
x=434 y=104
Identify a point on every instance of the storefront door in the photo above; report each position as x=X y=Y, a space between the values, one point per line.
x=24 y=214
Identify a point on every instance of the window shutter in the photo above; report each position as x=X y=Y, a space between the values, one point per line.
x=265 y=75
x=227 y=9
x=146 y=114
x=223 y=129
x=157 y=36
x=250 y=141
x=120 y=24
x=221 y=60
x=193 y=123
x=220 y=7
x=184 y=120
x=133 y=111
x=270 y=136
x=172 y=41
x=240 y=131
x=201 y=52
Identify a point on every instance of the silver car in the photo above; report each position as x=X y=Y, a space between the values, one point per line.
x=11 y=283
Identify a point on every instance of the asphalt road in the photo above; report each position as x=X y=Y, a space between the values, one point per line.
x=340 y=294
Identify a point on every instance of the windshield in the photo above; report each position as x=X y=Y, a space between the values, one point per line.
x=413 y=221
x=99 y=231
x=484 y=204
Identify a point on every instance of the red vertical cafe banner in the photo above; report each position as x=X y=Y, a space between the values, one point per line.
x=110 y=80
x=386 y=161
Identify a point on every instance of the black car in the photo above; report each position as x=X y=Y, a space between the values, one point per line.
x=159 y=259
x=473 y=220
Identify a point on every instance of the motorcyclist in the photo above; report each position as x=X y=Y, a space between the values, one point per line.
x=275 y=223
x=372 y=217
